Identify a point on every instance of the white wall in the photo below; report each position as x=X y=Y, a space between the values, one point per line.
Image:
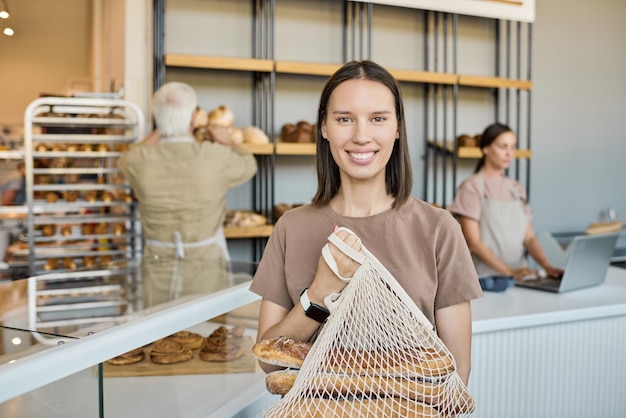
x=579 y=112
x=49 y=53
x=578 y=97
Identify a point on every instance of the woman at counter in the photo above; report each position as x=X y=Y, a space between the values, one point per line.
x=495 y=218
x=364 y=184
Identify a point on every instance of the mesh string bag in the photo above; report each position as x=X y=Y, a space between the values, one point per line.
x=377 y=355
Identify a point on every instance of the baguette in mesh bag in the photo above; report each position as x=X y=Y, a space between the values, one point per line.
x=377 y=355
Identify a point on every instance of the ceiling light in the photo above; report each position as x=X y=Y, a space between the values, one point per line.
x=4 y=10
x=8 y=31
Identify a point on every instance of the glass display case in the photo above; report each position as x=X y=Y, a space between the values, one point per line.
x=67 y=372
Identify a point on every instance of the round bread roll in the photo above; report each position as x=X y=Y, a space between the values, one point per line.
x=305 y=135
x=287 y=133
x=48 y=230
x=190 y=339
x=465 y=140
x=131 y=357
x=91 y=195
x=89 y=261
x=51 y=264
x=200 y=133
x=52 y=197
x=168 y=351
x=69 y=263
x=200 y=118
x=254 y=135
x=221 y=116
x=70 y=195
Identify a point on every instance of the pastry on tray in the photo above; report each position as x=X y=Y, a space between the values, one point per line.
x=168 y=351
x=190 y=339
x=223 y=345
x=130 y=357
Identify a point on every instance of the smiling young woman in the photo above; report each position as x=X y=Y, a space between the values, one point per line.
x=364 y=184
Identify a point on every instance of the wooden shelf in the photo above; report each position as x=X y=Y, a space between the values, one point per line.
x=494 y=82
x=248 y=231
x=259 y=149
x=322 y=69
x=424 y=77
x=295 y=148
x=305 y=68
x=475 y=152
x=219 y=63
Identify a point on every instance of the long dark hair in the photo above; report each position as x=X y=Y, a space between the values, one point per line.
x=398 y=173
x=489 y=135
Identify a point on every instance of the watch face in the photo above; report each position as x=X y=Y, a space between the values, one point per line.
x=317 y=312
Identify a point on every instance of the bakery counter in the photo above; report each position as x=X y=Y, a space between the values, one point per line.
x=534 y=354
x=72 y=378
x=541 y=354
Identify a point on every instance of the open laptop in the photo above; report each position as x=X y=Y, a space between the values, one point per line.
x=584 y=261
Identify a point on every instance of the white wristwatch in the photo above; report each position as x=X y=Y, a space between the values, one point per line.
x=312 y=310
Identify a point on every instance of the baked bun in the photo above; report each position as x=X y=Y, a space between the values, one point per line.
x=168 y=351
x=48 y=230
x=69 y=263
x=200 y=118
x=52 y=197
x=302 y=132
x=190 y=339
x=221 y=116
x=254 y=135
x=465 y=140
x=51 y=264
x=240 y=218
x=282 y=351
x=66 y=230
x=287 y=132
x=130 y=357
x=223 y=345
x=70 y=195
x=89 y=261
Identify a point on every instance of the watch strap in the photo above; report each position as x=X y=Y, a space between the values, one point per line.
x=313 y=310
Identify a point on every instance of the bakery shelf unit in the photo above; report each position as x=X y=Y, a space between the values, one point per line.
x=81 y=212
x=458 y=73
x=507 y=93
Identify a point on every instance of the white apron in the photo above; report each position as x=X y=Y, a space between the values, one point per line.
x=177 y=280
x=502 y=229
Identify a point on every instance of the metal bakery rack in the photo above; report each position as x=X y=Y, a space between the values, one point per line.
x=82 y=217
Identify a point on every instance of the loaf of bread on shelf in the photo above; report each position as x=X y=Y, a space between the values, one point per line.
x=51 y=264
x=281 y=208
x=254 y=135
x=221 y=116
x=240 y=218
x=465 y=140
x=200 y=118
x=52 y=197
x=302 y=132
x=70 y=195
